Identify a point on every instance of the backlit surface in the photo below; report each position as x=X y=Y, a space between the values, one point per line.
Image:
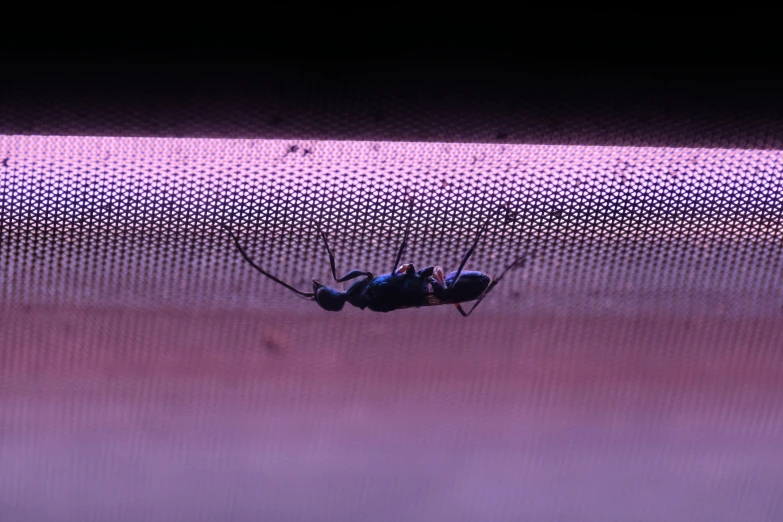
x=631 y=370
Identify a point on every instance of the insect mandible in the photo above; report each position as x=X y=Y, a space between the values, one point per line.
x=403 y=287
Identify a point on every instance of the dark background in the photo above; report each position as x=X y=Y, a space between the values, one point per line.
x=675 y=83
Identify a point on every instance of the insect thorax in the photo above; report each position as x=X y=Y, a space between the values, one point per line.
x=392 y=291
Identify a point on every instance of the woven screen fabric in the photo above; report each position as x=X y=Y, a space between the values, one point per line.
x=630 y=369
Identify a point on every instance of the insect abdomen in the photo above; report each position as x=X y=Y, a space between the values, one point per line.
x=469 y=287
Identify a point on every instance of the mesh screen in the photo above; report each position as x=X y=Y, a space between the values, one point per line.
x=630 y=370
x=620 y=230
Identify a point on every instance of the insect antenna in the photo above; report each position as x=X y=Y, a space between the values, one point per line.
x=308 y=295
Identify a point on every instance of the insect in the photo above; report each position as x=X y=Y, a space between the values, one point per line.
x=403 y=287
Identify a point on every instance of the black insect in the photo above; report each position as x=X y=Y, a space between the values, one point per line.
x=404 y=287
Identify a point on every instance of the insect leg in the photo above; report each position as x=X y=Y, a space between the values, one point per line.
x=264 y=272
x=469 y=253
x=353 y=274
x=460 y=310
x=328 y=251
x=464 y=313
x=426 y=273
x=520 y=261
x=402 y=248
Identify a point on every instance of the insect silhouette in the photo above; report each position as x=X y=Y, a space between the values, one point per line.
x=403 y=287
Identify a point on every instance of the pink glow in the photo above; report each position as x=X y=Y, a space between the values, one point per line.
x=632 y=371
x=195 y=157
x=643 y=199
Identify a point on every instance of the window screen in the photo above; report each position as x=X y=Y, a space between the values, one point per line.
x=630 y=369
